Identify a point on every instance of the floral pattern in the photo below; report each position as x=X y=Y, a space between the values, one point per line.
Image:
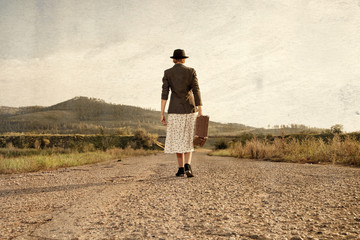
x=180 y=133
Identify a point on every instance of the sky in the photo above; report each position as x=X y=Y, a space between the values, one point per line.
x=259 y=62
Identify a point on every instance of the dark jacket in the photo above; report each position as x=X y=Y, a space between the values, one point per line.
x=185 y=92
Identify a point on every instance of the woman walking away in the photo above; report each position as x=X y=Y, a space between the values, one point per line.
x=185 y=101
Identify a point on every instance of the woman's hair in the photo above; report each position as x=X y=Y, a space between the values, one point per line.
x=182 y=60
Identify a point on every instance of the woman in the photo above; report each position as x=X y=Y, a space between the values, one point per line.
x=185 y=101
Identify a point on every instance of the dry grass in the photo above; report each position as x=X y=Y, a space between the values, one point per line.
x=39 y=162
x=222 y=153
x=309 y=150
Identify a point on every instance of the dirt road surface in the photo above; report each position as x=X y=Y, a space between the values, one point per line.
x=140 y=198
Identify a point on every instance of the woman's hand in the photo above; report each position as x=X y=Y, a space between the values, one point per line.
x=199 y=111
x=162 y=116
x=163 y=120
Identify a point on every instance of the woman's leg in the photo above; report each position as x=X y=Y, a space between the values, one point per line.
x=188 y=156
x=187 y=166
x=180 y=158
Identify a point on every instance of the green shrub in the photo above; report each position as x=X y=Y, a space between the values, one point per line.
x=221 y=144
x=81 y=143
x=45 y=143
x=142 y=139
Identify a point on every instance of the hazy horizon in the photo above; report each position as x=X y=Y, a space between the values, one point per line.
x=259 y=63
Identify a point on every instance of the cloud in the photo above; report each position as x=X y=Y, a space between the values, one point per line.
x=258 y=62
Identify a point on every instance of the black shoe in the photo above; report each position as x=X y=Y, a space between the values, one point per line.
x=180 y=172
x=188 y=170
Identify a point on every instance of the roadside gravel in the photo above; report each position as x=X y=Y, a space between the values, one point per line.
x=140 y=198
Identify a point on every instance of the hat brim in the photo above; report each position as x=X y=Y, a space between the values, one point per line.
x=179 y=57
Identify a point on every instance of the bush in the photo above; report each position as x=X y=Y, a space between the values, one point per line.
x=308 y=150
x=221 y=144
x=337 y=128
x=142 y=139
x=81 y=143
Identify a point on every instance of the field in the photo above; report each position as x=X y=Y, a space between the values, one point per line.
x=45 y=160
x=29 y=153
x=25 y=152
x=325 y=148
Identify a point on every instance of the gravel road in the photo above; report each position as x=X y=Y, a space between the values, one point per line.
x=140 y=198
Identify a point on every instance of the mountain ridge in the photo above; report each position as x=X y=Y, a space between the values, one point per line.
x=84 y=115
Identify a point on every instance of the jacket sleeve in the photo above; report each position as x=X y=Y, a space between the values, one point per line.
x=165 y=88
x=196 y=90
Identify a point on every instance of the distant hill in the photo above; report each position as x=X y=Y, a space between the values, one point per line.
x=83 y=115
x=9 y=111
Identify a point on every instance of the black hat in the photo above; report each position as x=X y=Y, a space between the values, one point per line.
x=179 y=54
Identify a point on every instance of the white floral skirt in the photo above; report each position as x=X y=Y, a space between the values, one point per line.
x=180 y=133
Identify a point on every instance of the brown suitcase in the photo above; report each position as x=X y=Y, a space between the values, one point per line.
x=201 y=130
